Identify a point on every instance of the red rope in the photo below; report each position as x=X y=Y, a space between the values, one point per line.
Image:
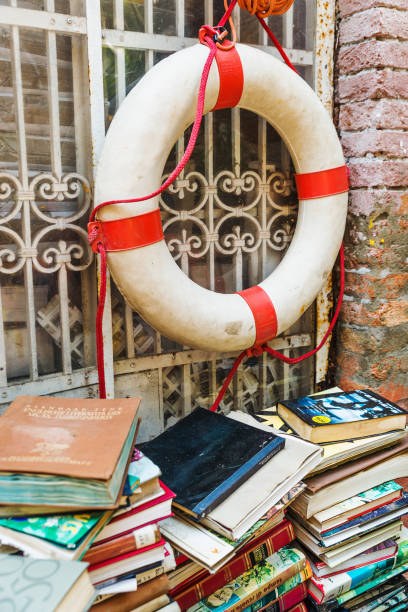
x=99 y=320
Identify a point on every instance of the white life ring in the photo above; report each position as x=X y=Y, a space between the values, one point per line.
x=154 y=114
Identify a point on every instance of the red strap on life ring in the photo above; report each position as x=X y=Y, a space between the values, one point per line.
x=322 y=183
x=231 y=77
x=126 y=233
x=263 y=311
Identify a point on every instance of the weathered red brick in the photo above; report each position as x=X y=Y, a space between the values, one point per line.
x=389 y=313
x=375 y=172
x=378 y=21
x=382 y=114
x=372 y=85
x=384 y=142
x=367 y=286
x=373 y=54
x=349 y=7
x=375 y=201
x=393 y=391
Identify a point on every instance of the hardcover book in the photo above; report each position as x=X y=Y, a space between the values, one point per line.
x=341 y=416
x=203 y=585
x=30 y=585
x=65 y=536
x=207 y=456
x=65 y=452
x=273 y=577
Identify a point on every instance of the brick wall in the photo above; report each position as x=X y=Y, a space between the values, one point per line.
x=372 y=115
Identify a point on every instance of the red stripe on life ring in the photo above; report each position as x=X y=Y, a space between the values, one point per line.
x=126 y=233
x=323 y=183
x=264 y=313
x=231 y=77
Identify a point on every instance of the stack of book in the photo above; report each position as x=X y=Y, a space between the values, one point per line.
x=63 y=465
x=233 y=479
x=349 y=517
x=129 y=558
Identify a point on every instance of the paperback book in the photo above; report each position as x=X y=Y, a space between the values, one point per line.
x=341 y=416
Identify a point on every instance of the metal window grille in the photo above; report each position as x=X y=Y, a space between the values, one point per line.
x=66 y=66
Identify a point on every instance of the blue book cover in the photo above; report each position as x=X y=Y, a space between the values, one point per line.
x=33 y=585
x=342 y=407
x=206 y=456
x=370 y=516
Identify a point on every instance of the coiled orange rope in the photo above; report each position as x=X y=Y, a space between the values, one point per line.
x=265 y=8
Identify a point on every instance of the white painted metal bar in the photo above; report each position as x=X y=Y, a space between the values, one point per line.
x=97 y=128
x=42 y=20
x=161 y=42
x=148 y=14
x=323 y=83
x=3 y=368
x=23 y=175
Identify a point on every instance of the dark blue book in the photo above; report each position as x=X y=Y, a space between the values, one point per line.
x=341 y=416
x=206 y=456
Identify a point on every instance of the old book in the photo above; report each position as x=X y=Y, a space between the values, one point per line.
x=65 y=536
x=129 y=601
x=341 y=416
x=137 y=539
x=124 y=521
x=300 y=607
x=359 y=504
x=234 y=516
x=142 y=480
x=333 y=486
x=153 y=604
x=124 y=563
x=380 y=552
x=71 y=453
x=335 y=555
x=203 y=585
x=272 y=577
x=141 y=575
x=324 y=589
x=41 y=584
x=206 y=456
x=283 y=603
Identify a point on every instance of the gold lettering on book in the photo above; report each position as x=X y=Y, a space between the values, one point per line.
x=45 y=459
x=81 y=414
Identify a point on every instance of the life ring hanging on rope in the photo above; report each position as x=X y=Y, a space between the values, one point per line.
x=148 y=123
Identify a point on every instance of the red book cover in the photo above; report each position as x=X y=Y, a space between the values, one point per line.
x=126 y=556
x=246 y=558
x=286 y=602
x=168 y=494
x=301 y=607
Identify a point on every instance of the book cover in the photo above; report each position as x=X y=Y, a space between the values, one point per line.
x=273 y=577
x=324 y=589
x=343 y=407
x=246 y=558
x=30 y=585
x=206 y=456
x=79 y=438
x=357 y=502
x=367 y=517
x=301 y=607
x=67 y=530
x=141 y=470
x=284 y=603
x=138 y=539
x=128 y=601
x=380 y=579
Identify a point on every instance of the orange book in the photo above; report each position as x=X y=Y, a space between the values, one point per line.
x=64 y=452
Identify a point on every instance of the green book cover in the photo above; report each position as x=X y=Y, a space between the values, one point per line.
x=34 y=585
x=372 y=583
x=66 y=530
x=251 y=581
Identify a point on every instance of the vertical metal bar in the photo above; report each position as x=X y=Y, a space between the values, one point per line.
x=180 y=18
x=97 y=127
x=323 y=82
x=23 y=173
x=56 y=165
x=3 y=368
x=82 y=147
x=262 y=266
x=119 y=22
x=148 y=15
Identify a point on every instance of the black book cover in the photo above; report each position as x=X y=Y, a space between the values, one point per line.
x=206 y=456
x=342 y=407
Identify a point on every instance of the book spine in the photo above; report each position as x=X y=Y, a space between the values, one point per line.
x=334 y=586
x=221 y=492
x=282 y=535
x=371 y=584
x=283 y=604
x=301 y=607
x=138 y=539
x=270 y=592
x=144 y=594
